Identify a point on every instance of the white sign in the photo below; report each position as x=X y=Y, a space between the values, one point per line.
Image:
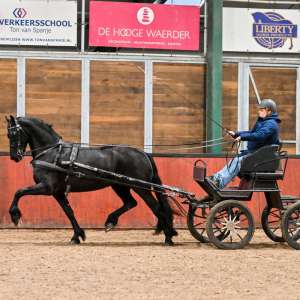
x=40 y=23
x=261 y=30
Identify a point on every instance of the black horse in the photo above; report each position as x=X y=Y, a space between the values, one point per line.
x=47 y=146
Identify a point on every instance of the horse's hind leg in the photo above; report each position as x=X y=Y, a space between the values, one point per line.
x=78 y=232
x=156 y=209
x=129 y=202
x=158 y=228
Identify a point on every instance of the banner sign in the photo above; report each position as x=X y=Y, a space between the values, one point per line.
x=38 y=23
x=185 y=2
x=135 y=25
x=261 y=30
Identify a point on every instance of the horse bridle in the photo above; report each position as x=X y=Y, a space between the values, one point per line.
x=15 y=131
x=15 y=138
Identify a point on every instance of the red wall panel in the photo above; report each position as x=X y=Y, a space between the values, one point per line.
x=92 y=208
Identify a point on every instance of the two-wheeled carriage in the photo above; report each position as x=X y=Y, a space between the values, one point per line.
x=223 y=219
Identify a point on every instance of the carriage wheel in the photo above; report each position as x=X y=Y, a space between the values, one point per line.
x=271 y=223
x=291 y=226
x=196 y=220
x=234 y=221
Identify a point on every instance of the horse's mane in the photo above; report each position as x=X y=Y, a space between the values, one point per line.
x=40 y=123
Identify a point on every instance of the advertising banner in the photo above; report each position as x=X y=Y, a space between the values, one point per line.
x=134 y=25
x=185 y=2
x=261 y=30
x=38 y=23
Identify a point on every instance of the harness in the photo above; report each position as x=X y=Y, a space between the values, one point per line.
x=15 y=132
x=70 y=164
x=15 y=141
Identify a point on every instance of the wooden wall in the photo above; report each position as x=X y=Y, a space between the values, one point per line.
x=8 y=97
x=117 y=103
x=278 y=84
x=230 y=96
x=178 y=105
x=230 y=99
x=53 y=94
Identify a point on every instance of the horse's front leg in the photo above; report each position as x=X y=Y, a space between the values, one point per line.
x=64 y=204
x=38 y=189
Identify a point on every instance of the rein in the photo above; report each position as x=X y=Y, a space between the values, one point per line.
x=15 y=130
x=186 y=144
x=206 y=142
x=228 y=164
x=46 y=149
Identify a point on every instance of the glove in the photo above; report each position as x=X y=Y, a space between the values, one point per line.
x=231 y=133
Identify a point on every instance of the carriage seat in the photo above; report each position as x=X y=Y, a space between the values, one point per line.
x=263 y=164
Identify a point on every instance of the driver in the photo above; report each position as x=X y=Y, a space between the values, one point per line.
x=265 y=132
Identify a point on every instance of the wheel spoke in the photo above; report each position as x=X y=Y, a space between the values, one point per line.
x=217 y=230
x=296 y=237
x=202 y=230
x=271 y=222
x=296 y=213
x=200 y=223
x=275 y=229
x=221 y=215
x=239 y=236
x=291 y=232
x=293 y=226
x=244 y=219
x=274 y=215
x=198 y=216
x=201 y=214
x=219 y=222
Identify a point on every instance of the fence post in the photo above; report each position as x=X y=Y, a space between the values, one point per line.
x=214 y=72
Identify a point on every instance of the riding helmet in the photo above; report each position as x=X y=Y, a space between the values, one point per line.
x=268 y=104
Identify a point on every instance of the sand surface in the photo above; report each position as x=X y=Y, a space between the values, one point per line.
x=134 y=264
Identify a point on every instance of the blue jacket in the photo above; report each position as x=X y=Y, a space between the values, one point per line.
x=265 y=132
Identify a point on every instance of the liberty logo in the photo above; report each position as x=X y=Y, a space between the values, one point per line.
x=271 y=30
x=145 y=15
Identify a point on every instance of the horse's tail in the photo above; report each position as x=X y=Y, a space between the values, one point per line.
x=167 y=209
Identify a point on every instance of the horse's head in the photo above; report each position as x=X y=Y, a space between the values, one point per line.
x=18 y=139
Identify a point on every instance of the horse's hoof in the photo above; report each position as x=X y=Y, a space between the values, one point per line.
x=169 y=242
x=109 y=226
x=174 y=232
x=15 y=221
x=157 y=232
x=82 y=235
x=75 y=241
x=15 y=215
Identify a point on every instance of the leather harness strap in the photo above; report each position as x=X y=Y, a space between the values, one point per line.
x=70 y=163
x=58 y=152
